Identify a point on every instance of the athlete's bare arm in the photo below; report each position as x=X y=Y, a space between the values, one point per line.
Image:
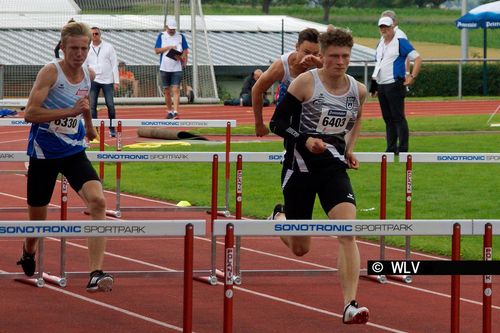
x=274 y=73
x=90 y=131
x=353 y=135
x=35 y=113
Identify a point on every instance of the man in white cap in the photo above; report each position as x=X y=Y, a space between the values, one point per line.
x=172 y=48
x=390 y=81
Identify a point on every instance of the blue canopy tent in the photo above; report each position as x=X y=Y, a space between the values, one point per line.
x=486 y=16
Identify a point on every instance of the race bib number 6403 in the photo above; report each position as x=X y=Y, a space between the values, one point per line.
x=332 y=121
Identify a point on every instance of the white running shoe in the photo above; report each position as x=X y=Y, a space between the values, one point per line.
x=278 y=209
x=353 y=314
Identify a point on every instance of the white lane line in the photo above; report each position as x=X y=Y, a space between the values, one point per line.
x=109 y=306
x=428 y=291
x=256 y=293
x=440 y=294
x=115 y=308
x=308 y=307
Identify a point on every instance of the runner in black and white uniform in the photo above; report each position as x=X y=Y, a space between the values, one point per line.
x=319 y=118
x=329 y=118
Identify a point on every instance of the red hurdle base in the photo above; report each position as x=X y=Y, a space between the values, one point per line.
x=55 y=280
x=378 y=278
x=36 y=282
x=402 y=278
x=212 y=280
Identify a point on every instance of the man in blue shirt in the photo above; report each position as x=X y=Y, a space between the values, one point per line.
x=171 y=66
x=391 y=82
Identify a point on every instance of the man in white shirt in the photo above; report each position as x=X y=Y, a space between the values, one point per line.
x=171 y=64
x=102 y=59
x=391 y=82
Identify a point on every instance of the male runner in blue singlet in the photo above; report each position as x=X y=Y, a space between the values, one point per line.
x=56 y=106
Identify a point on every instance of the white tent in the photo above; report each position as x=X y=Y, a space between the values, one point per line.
x=68 y=7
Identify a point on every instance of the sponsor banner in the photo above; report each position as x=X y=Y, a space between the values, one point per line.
x=147 y=156
x=452 y=157
x=343 y=228
x=433 y=267
x=121 y=156
x=13 y=122
x=478 y=226
x=13 y=156
x=165 y=123
x=98 y=228
x=229 y=266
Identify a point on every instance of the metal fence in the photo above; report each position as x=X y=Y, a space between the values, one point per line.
x=370 y=64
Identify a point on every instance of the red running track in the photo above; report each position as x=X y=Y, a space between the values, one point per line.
x=261 y=304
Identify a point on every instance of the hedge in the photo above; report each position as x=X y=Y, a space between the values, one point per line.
x=442 y=80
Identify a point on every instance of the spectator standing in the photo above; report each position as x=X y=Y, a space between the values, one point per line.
x=171 y=64
x=103 y=61
x=391 y=83
x=397 y=32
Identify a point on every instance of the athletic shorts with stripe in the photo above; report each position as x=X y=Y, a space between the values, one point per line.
x=42 y=176
x=332 y=185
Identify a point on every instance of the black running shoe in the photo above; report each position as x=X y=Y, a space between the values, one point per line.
x=100 y=281
x=279 y=208
x=28 y=263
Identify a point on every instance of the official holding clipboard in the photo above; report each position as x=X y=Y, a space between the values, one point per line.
x=172 y=48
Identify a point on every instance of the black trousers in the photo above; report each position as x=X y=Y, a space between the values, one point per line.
x=392 y=102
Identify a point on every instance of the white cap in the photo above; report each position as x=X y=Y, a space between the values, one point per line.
x=387 y=21
x=171 y=23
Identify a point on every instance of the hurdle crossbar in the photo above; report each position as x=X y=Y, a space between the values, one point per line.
x=232 y=228
x=174 y=123
x=165 y=123
x=364 y=157
x=152 y=228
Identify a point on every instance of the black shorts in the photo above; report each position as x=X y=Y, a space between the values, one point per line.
x=42 y=176
x=332 y=186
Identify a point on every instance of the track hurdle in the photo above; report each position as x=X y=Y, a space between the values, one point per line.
x=232 y=228
x=153 y=228
x=487 y=228
x=273 y=157
x=444 y=157
x=164 y=123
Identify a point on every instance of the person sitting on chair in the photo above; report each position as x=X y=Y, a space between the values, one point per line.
x=128 y=83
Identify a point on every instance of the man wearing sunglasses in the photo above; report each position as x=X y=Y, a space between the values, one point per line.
x=102 y=59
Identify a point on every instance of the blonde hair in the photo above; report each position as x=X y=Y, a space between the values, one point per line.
x=75 y=29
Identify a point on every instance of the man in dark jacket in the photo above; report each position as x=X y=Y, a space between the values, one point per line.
x=246 y=91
